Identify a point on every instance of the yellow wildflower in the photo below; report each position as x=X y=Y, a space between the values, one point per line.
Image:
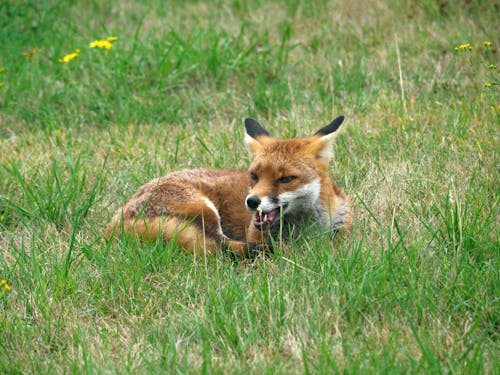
x=101 y=44
x=6 y=286
x=487 y=43
x=487 y=84
x=104 y=43
x=464 y=46
x=66 y=59
x=492 y=67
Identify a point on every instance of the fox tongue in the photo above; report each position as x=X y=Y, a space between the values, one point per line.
x=269 y=216
x=263 y=218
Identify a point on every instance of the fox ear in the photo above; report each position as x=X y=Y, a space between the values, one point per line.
x=323 y=140
x=332 y=127
x=255 y=136
x=254 y=129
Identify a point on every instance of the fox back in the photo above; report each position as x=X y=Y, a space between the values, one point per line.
x=206 y=209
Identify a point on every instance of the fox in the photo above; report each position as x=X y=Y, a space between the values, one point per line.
x=206 y=210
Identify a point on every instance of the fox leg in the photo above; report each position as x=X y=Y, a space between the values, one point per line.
x=258 y=241
x=209 y=224
x=255 y=235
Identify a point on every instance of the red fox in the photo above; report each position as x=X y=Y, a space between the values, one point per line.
x=209 y=209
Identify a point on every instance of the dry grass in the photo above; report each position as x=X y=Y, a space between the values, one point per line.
x=414 y=289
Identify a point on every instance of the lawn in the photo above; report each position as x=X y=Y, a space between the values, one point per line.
x=414 y=289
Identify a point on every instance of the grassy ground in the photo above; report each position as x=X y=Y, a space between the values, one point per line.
x=415 y=288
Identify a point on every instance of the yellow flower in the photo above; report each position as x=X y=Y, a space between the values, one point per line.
x=487 y=84
x=465 y=46
x=492 y=67
x=66 y=59
x=104 y=43
x=101 y=44
x=6 y=286
x=487 y=43
x=2 y=69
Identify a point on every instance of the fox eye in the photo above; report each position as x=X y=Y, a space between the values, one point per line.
x=286 y=179
x=253 y=176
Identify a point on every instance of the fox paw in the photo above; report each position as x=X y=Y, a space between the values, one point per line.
x=246 y=249
x=258 y=248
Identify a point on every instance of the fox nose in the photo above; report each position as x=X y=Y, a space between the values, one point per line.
x=253 y=202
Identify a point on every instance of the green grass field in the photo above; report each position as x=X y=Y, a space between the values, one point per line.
x=415 y=289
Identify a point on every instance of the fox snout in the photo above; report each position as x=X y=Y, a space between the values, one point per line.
x=267 y=210
x=253 y=202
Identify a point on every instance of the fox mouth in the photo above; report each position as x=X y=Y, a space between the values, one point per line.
x=264 y=219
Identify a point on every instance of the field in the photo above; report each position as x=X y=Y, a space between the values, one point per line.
x=414 y=289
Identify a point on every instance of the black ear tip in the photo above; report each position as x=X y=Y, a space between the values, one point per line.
x=254 y=129
x=250 y=124
x=338 y=120
x=332 y=127
x=249 y=121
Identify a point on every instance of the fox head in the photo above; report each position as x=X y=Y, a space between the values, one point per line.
x=288 y=177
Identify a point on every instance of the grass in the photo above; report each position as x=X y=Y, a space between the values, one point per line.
x=414 y=289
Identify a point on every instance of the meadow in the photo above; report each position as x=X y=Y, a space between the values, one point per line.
x=97 y=98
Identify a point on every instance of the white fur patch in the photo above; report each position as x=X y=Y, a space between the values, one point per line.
x=302 y=198
x=248 y=139
x=211 y=205
x=298 y=200
x=326 y=150
x=267 y=204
